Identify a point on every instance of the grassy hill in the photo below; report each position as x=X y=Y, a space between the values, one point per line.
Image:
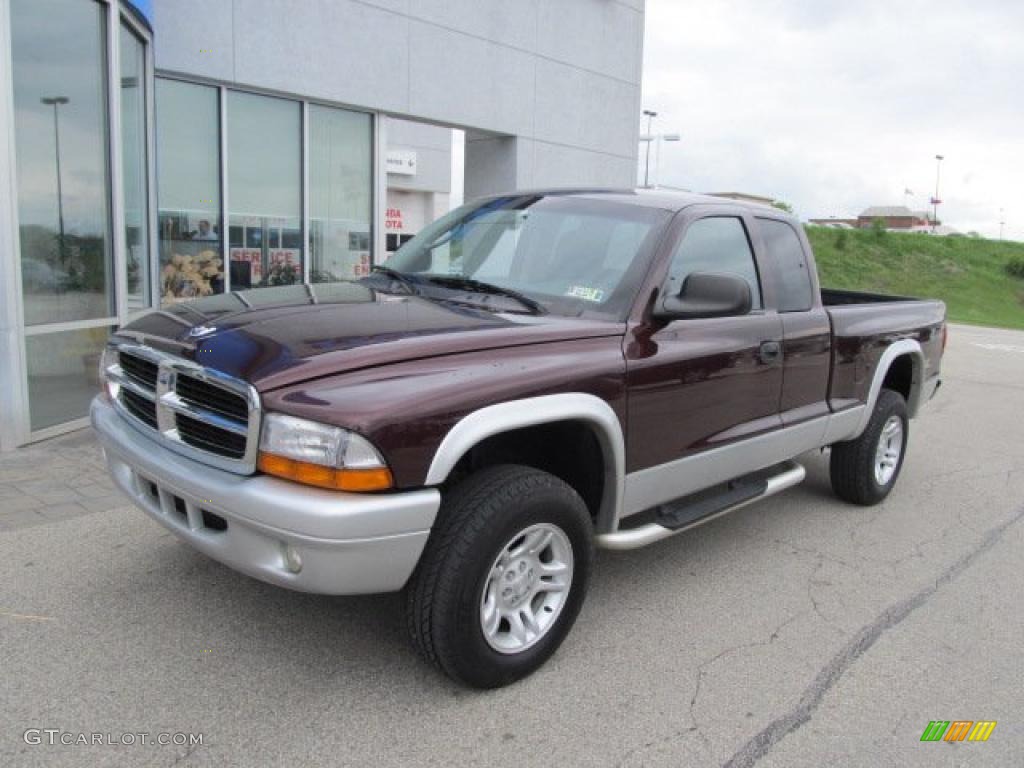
x=967 y=273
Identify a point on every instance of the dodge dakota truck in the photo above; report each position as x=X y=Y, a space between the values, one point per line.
x=530 y=377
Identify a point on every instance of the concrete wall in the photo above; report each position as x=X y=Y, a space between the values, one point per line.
x=561 y=77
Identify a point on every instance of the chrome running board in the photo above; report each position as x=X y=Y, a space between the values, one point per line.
x=789 y=474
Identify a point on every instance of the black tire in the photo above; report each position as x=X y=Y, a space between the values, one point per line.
x=477 y=519
x=852 y=465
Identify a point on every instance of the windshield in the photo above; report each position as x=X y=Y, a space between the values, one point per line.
x=571 y=255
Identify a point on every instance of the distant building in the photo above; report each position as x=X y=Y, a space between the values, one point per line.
x=897 y=218
x=894 y=216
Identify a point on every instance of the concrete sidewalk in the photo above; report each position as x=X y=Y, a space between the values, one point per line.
x=57 y=479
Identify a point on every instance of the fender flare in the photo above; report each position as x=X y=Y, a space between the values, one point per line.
x=896 y=349
x=546 y=409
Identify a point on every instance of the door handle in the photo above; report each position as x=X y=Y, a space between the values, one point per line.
x=770 y=352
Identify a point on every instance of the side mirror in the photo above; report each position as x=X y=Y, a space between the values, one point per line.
x=707 y=294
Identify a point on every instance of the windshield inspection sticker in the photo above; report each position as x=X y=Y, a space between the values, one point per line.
x=585 y=293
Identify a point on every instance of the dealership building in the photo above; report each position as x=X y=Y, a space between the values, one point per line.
x=158 y=150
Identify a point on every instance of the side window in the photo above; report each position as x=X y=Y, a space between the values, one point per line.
x=791 y=274
x=716 y=244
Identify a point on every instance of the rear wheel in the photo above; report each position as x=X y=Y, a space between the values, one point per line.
x=503 y=576
x=864 y=470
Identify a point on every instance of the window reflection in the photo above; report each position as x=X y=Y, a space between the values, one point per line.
x=264 y=151
x=188 y=190
x=60 y=116
x=340 y=185
x=134 y=170
x=63 y=374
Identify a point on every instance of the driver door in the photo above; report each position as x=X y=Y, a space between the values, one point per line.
x=697 y=385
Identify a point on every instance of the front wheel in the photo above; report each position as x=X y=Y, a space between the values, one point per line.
x=503 y=575
x=864 y=470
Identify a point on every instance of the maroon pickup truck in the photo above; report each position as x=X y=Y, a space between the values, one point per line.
x=531 y=376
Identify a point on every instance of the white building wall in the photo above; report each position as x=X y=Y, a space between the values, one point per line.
x=561 y=78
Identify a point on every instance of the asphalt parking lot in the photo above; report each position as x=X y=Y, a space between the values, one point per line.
x=797 y=632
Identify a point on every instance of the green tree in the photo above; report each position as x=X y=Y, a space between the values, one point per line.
x=782 y=205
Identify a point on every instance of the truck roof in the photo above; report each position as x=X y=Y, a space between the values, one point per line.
x=669 y=200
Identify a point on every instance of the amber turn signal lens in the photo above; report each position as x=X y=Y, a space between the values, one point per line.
x=377 y=479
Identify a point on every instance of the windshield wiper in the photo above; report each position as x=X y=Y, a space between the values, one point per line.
x=401 y=277
x=478 y=286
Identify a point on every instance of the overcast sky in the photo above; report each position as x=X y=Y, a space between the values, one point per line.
x=834 y=106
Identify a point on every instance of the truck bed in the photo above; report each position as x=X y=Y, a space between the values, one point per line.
x=864 y=324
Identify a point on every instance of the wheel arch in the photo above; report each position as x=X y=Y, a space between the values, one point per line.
x=902 y=364
x=493 y=420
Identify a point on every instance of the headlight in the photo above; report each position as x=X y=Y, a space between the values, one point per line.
x=320 y=454
x=108 y=359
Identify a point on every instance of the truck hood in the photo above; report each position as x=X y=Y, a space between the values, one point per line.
x=275 y=337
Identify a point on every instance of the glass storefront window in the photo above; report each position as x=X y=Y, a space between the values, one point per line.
x=134 y=167
x=264 y=149
x=61 y=141
x=188 y=190
x=340 y=189
x=65 y=93
x=63 y=374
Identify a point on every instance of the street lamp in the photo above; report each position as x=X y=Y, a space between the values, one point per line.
x=57 y=101
x=935 y=200
x=650 y=114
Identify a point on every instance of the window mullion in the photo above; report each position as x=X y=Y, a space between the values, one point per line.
x=152 y=217
x=305 y=193
x=225 y=228
x=120 y=265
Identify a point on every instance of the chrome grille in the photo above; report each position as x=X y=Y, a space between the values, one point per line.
x=198 y=393
x=140 y=370
x=140 y=407
x=206 y=437
x=196 y=411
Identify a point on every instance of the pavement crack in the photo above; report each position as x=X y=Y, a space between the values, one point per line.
x=707 y=663
x=811 y=583
x=694 y=727
x=764 y=740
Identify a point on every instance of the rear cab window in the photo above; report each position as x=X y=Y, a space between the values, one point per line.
x=791 y=273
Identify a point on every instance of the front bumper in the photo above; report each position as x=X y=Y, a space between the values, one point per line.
x=347 y=543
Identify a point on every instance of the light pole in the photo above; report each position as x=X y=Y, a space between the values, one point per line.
x=647 y=161
x=57 y=101
x=935 y=200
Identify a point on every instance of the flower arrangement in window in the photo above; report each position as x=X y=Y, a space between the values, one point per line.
x=189 y=277
x=283 y=273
